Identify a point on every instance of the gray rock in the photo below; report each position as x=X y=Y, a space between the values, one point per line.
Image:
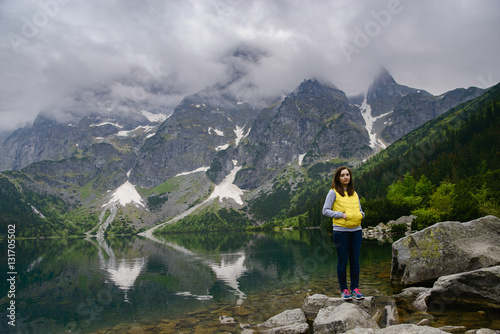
x=377 y=316
x=487 y=331
x=314 y=303
x=290 y=329
x=398 y=329
x=424 y=322
x=410 y=293
x=446 y=248
x=367 y=305
x=226 y=320
x=482 y=331
x=401 y=220
x=342 y=318
x=420 y=302
x=334 y=301
x=362 y=331
x=454 y=329
x=286 y=318
x=247 y=331
x=475 y=288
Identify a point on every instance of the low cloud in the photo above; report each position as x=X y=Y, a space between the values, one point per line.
x=73 y=54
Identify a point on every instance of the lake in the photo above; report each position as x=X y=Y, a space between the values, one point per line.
x=180 y=282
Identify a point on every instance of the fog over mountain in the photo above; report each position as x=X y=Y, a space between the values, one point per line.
x=79 y=57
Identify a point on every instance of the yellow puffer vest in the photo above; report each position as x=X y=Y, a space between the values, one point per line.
x=349 y=205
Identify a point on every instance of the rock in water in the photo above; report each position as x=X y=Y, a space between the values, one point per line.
x=478 y=288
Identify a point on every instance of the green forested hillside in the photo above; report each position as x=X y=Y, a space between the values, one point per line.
x=36 y=214
x=13 y=206
x=210 y=219
x=452 y=143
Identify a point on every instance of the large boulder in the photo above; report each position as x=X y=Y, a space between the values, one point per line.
x=475 y=288
x=446 y=248
x=289 y=322
x=341 y=318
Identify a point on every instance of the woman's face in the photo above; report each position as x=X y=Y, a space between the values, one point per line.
x=345 y=178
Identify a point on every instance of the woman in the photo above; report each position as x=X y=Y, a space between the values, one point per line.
x=343 y=205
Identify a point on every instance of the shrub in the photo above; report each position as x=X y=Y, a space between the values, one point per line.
x=425 y=218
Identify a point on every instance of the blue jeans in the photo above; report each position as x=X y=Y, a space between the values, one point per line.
x=348 y=245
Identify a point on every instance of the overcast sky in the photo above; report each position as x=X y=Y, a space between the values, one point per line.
x=50 y=49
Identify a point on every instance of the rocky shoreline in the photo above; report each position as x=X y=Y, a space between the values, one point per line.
x=457 y=264
x=321 y=314
x=386 y=232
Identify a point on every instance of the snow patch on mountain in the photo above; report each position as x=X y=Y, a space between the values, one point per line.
x=301 y=157
x=201 y=169
x=240 y=134
x=222 y=147
x=217 y=132
x=366 y=112
x=106 y=123
x=154 y=118
x=226 y=189
x=126 y=194
x=129 y=133
x=36 y=211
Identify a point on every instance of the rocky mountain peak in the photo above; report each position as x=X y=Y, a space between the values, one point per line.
x=384 y=78
x=312 y=88
x=384 y=93
x=43 y=119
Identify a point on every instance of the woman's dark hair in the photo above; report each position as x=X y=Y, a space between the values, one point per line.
x=338 y=186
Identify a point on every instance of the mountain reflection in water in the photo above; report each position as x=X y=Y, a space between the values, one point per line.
x=85 y=285
x=122 y=272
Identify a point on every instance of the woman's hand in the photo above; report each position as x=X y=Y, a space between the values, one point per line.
x=344 y=215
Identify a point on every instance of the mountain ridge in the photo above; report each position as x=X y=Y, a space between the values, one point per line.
x=177 y=161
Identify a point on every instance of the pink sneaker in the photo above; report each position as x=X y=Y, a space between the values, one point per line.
x=357 y=294
x=345 y=295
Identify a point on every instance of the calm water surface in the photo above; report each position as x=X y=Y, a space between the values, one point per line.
x=182 y=283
